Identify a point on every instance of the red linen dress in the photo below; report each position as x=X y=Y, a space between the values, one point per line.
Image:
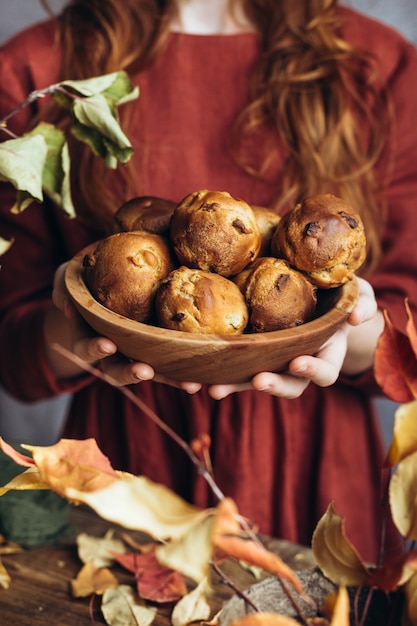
x=283 y=461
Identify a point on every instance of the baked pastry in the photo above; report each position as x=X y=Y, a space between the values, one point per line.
x=212 y=231
x=198 y=301
x=125 y=269
x=145 y=213
x=276 y=295
x=267 y=221
x=324 y=237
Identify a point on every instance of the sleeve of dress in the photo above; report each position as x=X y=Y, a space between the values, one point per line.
x=396 y=277
x=28 y=267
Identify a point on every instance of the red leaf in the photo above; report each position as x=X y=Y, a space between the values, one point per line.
x=395 y=364
x=154 y=581
x=389 y=575
x=20 y=459
x=411 y=329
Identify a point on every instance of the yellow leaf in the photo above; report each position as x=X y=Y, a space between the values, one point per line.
x=4 y=577
x=29 y=479
x=335 y=555
x=97 y=550
x=138 y=503
x=192 y=607
x=91 y=579
x=404 y=441
x=403 y=497
x=123 y=607
x=410 y=589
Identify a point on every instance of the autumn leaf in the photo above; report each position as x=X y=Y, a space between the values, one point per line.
x=193 y=607
x=410 y=590
x=337 y=607
x=403 y=497
x=155 y=581
x=334 y=553
x=395 y=364
x=91 y=579
x=5 y=245
x=393 y=573
x=404 y=439
x=99 y=550
x=28 y=480
x=122 y=607
x=410 y=328
x=4 y=576
x=264 y=619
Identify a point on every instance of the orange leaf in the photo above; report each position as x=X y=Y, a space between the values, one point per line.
x=229 y=540
x=154 y=581
x=395 y=365
x=91 y=579
x=73 y=464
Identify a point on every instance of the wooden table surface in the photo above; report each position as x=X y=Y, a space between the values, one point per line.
x=39 y=592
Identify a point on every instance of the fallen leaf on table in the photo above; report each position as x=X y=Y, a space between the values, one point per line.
x=193 y=607
x=98 y=550
x=154 y=581
x=4 y=576
x=264 y=619
x=9 y=547
x=91 y=579
x=123 y=607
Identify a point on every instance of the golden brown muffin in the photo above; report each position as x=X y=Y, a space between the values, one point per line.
x=124 y=272
x=324 y=237
x=267 y=221
x=276 y=295
x=197 y=301
x=212 y=231
x=145 y=213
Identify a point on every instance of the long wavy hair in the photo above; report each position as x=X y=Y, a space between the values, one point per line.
x=310 y=86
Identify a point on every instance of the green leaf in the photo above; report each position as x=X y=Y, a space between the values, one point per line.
x=21 y=164
x=56 y=172
x=97 y=125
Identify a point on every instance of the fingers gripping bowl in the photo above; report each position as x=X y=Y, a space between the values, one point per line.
x=207 y=358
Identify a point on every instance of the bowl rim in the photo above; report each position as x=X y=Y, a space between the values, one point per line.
x=85 y=301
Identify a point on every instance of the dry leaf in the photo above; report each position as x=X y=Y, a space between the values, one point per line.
x=154 y=581
x=403 y=497
x=193 y=607
x=9 y=547
x=122 y=607
x=395 y=365
x=334 y=553
x=337 y=607
x=411 y=329
x=4 y=576
x=27 y=480
x=98 y=550
x=404 y=440
x=91 y=579
x=264 y=619
x=393 y=573
x=410 y=589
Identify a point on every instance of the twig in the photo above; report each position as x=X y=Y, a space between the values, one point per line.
x=226 y=581
x=151 y=414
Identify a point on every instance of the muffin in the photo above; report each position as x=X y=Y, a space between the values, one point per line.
x=267 y=221
x=277 y=296
x=125 y=269
x=323 y=237
x=145 y=213
x=197 y=301
x=212 y=231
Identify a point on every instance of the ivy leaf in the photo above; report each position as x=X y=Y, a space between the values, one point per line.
x=21 y=163
x=56 y=169
x=395 y=364
x=334 y=553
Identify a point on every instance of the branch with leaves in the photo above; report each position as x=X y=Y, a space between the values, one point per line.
x=38 y=162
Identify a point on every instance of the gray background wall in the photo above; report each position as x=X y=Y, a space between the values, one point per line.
x=40 y=423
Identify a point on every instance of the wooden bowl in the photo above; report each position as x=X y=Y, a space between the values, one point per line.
x=210 y=359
